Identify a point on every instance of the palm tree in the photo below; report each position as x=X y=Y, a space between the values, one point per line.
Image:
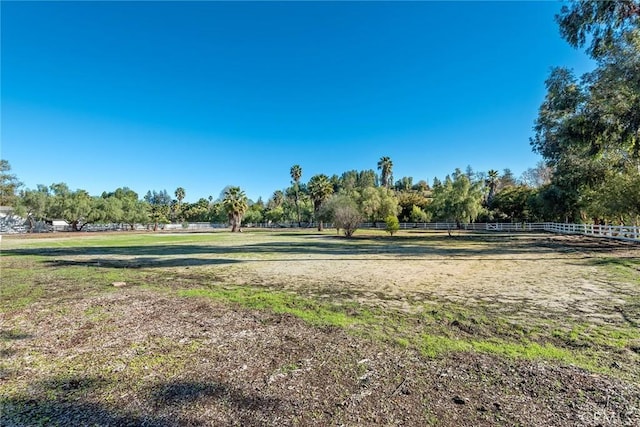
x=492 y=183
x=296 y=174
x=276 y=199
x=180 y=193
x=386 y=167
x=235 y=203
x=320 y=188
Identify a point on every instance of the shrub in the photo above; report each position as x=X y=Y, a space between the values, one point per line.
x=393 y=224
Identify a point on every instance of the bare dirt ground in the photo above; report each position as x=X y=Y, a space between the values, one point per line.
x=163 y=361
x=141 y=355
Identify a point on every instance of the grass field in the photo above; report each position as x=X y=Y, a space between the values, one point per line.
x=292 y=328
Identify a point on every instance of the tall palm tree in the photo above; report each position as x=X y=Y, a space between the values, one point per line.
x=385 y=165
x=180 y=194
x=492 y=183
x=320 y=188
x=235 y=203
x=296 y=174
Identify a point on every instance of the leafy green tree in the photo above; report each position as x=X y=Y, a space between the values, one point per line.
x=421 y=187
x=385 y=165
x=254 y=214
x=320 y=188
x=9 y=185
x=108 y=210
x=377 y=203
x=457 y=199
x=393 y=225
x=587 y=128
x=603 y=23
x=275 y=215
x=404 y=184
x=407 y=200
x=133 y=210
x=197 y=212
x=296 y=174
x=33 y=204
x=418 y=215
x=218 y=212
x=159 y=207
x=235 y=203
x=617 y=200
x=512 y=203
x=76 y=207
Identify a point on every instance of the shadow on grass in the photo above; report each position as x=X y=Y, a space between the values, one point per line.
x=415 y=245
x=155 y=262
x=630 y=262
x=72 y=401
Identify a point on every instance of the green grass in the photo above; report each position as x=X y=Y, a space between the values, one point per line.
x=623 y=269
x=407 y=331
x=310 y=311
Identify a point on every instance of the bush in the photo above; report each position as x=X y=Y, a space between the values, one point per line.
x=344 y=213
x=393 y=224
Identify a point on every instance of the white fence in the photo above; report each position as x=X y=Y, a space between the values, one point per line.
x=621 y=232
x=9 y=224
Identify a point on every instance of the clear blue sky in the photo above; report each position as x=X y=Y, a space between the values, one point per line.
x=156 y=95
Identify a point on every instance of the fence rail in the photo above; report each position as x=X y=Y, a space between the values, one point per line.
x=621 y=232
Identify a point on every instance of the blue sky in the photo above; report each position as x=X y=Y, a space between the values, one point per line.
x=156 y=95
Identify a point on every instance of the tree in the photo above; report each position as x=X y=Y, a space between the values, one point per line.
x=385 y=165
x=421 y=186
x=197 y=212
x=180 y=194
x=78 y=208
x=377 y=203
x=344 y=212
x=159 y=206
x=418 y=215
x=588 y=128
x=603 y=22
x=320 y=188
x=276 y=199
x=457 y=199
x=404 y=184
x=393 y=225
x=538 y=176
x=407 y=200
x=492 y=183
x=512 y=203
x=235 y=204
x=296 y=174
x=507 y=179
x=133 y=210
x=9 y=185
x=34 y=204
x=254 y=214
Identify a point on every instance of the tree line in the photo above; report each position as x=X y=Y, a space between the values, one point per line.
x=345 y=200
x=587 y=131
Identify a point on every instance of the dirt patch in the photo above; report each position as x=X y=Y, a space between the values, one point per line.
x=140 y=358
